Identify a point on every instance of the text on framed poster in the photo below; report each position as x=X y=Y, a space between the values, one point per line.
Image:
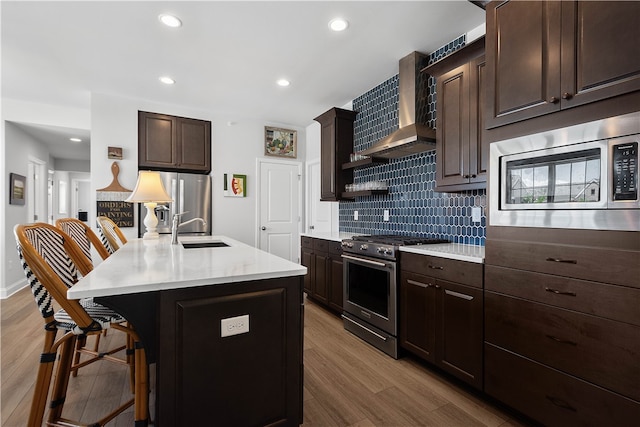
x=119 y=212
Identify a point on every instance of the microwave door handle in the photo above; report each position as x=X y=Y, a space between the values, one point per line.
x=366 y=261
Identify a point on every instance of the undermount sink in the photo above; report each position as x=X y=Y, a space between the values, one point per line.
x=196 y=245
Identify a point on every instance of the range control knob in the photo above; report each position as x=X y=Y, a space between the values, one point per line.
x=388 y=251
x=364 y=247
x=346 y=244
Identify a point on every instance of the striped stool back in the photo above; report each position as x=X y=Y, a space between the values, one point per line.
x=110 y=233
x=83 y=236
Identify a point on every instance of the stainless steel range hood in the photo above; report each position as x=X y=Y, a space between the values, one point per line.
x=413 y=135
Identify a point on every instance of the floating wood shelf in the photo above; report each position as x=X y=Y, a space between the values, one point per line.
x=365 y=162
x=354 y=194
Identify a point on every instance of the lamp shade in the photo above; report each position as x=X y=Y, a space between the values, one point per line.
x=149 y=188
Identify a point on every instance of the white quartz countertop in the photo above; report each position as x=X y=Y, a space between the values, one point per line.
x=460 y=252
x=336 y=236
x=155 y=265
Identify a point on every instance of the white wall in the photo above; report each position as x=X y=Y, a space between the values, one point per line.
x=234 y=149
x=19 y=148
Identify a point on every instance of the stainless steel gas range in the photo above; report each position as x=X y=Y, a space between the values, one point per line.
x=371 y=287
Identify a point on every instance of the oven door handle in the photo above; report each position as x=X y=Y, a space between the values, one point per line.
x=366 y=261
x=365 y=328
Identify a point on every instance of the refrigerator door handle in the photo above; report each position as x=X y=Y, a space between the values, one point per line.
x=174 y=189
x=181 y=196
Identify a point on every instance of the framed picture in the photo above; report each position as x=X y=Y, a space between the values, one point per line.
x=235 y=185
x=114 y=153
x=17 y=185
x=280 y=142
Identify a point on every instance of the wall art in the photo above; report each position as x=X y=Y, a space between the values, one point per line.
x=280 y=142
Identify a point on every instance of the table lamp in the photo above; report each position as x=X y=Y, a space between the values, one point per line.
x=150 y=191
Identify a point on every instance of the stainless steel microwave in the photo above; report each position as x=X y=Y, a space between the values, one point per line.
x=584 y=176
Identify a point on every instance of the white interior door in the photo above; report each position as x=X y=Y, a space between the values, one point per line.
x=321 y=216
x=279 y=208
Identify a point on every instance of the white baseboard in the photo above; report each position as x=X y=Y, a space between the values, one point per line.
x=6 y=292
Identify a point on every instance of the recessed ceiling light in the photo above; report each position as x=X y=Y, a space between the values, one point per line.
x=170 y=20
x=167 y=80
x=75 y=139
x=283 y=82
x=338 y=24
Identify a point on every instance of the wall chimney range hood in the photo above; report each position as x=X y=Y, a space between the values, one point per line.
x=413 y=135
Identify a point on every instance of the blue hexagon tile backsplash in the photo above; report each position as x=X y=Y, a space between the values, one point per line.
x=414 y=207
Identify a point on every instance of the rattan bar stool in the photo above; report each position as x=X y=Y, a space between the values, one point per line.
x=112 y=237
x=85 y=237
x=52 y=262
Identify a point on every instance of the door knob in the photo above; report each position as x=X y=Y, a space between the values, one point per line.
x=263 y=228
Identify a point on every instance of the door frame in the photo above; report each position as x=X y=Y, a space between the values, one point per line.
x=259 y=163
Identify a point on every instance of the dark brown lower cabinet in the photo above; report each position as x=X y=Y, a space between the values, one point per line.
x=562 y=341
x=553 y=397
x=336 y=291
x=441 y=321
x=323 y=282
x=254 y=378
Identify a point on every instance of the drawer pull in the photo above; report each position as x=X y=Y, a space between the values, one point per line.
x=422 y=285
x=561 y=341
x=435 y=267
x=557 y=292
x=564 y=261
x=561 y=403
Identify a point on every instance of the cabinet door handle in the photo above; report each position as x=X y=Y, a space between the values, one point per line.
x=553 y=100
x=567 y=95
x=435 y=267
x=466 y=176
x=473 y=175
x=564 y=261
x=557 y=292
x=458 y=295
x=561 y=341
x=438 y=286
x=422 y=285
x=560 y=402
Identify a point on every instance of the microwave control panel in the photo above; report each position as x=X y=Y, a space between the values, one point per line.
x=625 y=171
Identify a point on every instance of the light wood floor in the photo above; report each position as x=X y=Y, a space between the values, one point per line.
x=346 y=381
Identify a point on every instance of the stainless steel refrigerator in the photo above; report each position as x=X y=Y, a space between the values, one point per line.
x=191 y=193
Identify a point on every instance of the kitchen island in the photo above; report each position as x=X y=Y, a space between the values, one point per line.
x=222 y=324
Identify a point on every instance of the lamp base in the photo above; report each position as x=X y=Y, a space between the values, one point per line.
x=151 y=221
x=151 y=235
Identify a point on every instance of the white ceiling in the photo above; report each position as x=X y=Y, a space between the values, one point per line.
x=225 y=58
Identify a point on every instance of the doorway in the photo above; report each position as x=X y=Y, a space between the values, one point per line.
x=279 y=208
x=37 y=206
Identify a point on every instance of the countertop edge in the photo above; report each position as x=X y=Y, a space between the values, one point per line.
x=455 y=251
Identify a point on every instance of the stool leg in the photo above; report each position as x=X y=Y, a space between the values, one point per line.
x=43 y=380
x=141 y=405
x=80 y=343
x=59 y=392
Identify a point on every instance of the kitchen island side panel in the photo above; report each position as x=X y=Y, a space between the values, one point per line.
x=252 y=378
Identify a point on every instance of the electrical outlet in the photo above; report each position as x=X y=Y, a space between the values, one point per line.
x=355 y=215
x=476 y=214
x=385 y=215
x=234 y=325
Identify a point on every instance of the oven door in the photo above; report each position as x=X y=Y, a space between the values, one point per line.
x=370 y=291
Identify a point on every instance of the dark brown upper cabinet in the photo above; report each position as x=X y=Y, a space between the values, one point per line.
x=173 y=143
x=336 y=144
x=462 y=151
x=547 y=56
